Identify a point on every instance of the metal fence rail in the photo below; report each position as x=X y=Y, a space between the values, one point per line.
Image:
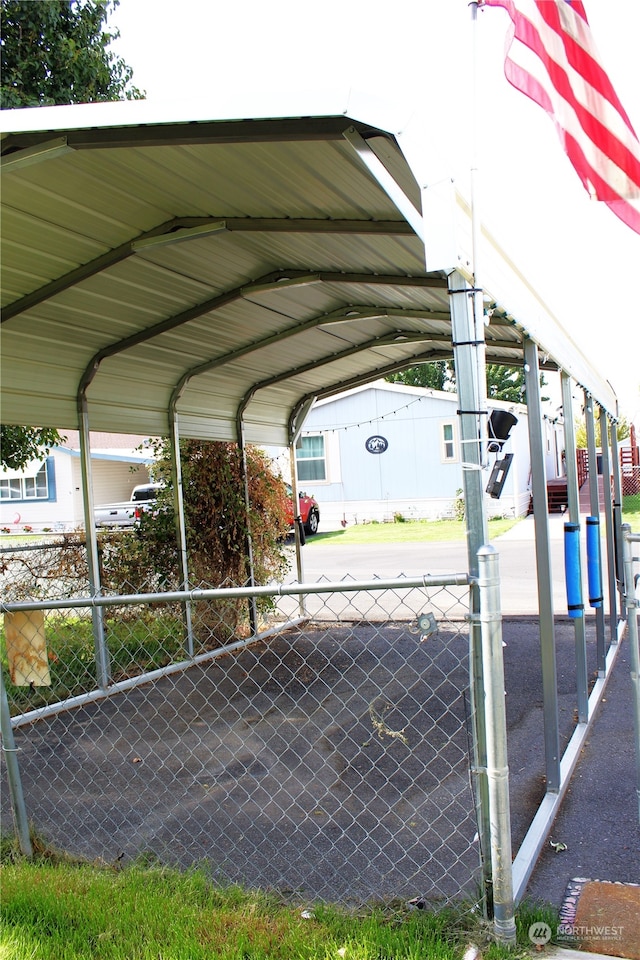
x=329 y=757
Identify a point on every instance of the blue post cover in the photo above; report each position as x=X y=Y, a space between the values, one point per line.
x=575 y=606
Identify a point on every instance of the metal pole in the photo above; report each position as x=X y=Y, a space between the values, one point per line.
x=103 y=666
x=617 y=508
x=543 y=564
x=250 y=567
x=181 y=531
x=467 y=331
x=632 y=603
x=594 y=501
x=298 y=531
x=608 y=514
x=573 y=501
x=496 y=728
x=13 y=773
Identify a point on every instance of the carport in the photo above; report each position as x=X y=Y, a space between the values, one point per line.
x=211 y=274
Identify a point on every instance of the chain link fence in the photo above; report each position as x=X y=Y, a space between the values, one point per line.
x=329 y=758
x=630 y=484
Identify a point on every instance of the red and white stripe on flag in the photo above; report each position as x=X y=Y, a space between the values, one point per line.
x=551 y=57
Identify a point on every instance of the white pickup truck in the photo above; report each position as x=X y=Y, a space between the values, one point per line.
x=125 y=514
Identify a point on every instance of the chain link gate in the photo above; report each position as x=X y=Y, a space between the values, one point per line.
x=329 y=758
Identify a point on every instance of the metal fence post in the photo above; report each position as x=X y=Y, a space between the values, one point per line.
x=103 y=664
x=13 y=773
x=467 y=328
x=181 y=532
x=543 y=567
x=496 y=741
x=612 y=559
x=594 y=502
x=631 y=603
x=573 y=500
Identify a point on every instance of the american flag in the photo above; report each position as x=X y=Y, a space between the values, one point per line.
x=551 y=57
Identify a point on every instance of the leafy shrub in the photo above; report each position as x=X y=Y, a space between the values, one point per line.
x=217 y=526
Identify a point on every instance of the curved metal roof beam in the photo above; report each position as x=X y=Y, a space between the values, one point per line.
x=351 y=314
x=271 y=281
x=103 y=262
x=170 y=323
x=398 y=336
x=181 y=229
x=340 y=386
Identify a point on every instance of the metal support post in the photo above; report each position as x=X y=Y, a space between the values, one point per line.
x=543 y=565
x=298 y=529
x=296 y=423
x=251 y=576
x=594 y=503
x=467 y=327
x=103 y=666
x=608 y=515
x=617 y=509
x=181 y=532
x=13 y=774
x=496 y=727
x=573 y=501
x=632 y=603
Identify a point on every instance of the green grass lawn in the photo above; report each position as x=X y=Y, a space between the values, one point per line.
x=412 y=531
x=433 y=531
x=57 y=910
x=631 y=511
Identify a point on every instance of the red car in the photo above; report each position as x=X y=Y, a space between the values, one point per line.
x=308 y=510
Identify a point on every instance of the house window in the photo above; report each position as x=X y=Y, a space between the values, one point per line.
x=449 y=442
x=32 y=485
x=311 y=464
x=11 y=490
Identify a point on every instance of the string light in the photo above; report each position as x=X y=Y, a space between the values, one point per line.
x=365 y=423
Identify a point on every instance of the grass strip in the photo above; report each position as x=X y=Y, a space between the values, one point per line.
x=411 y=531
x=55 y=909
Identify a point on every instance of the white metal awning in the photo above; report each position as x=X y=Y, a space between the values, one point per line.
x=233 y=267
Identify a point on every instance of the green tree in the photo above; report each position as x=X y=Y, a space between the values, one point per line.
x=622 y=431
x=19 y=445
x=437 y=375
x=503 y=383
x=57 y=52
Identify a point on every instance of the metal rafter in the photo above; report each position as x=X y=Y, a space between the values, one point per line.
x=172 y=228
x=338 y=387
x=344 y=315
x=271 y=281
x=384 y=341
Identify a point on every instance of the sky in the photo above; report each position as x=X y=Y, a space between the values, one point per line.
x=419 y=56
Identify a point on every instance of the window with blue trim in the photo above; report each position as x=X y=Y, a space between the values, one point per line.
x=37 y=486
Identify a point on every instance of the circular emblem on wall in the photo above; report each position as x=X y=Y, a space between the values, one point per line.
x=377 y=444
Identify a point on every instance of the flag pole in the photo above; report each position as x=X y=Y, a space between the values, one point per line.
x=476 y=229
x=494 y=789
x=475 y=138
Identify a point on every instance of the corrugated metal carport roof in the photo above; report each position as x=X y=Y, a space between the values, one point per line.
x=236 y=266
